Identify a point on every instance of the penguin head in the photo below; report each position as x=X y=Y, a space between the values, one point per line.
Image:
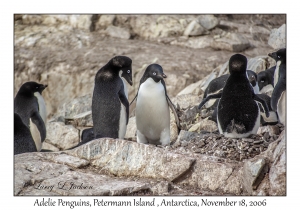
x=29 y=88
x=123 y=65
x=252 y=76
x=154 y=71
x=262 y=79
x=237 y=64
x=279 y=55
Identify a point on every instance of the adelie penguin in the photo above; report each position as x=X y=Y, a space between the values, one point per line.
x=217 y=85
x=278 y=98
x=110 y=106
x=152 y=108
x=238 y=113
x=30 y=106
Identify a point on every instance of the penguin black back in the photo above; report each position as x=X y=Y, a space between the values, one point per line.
x=109 y=96
x=23 y=141
x=237 y=109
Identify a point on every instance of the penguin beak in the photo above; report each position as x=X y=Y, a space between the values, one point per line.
x=43 y=87
x=272 y=55
x=130 y=82
x=164 y=76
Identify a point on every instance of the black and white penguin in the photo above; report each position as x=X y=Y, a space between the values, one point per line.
x=23 y=141
x=152 y=108
x=278 y=98
x=110 y=106
x=30 y=106
x=265 y=78
x=273 y=118
x=238 y=113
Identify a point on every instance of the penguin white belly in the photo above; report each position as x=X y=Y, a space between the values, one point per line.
x=123 y=114
x=276 y=73
x=42 y=106
x=267 y=88
x=281 y=108
x=35 y=135
x=234 y=134
x=152 y=112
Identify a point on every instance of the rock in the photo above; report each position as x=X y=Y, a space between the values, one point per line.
x=30 y=169
x=81 y=120
x=188 y=117
x=153 y=26
x=277 y=176
x=105 y=21
x=61 y=135
x=208 y=21
x=211 y=175
x=47 y=146
x=78 y=184
x=189 y=135
x=78 y=106
x=125 y=158
x=173 y=127
x=161 y=188
x=194 y=29
x=275 y=182
x=193 y=88
x=117 y=32
x=253 y=173
x=185 y=101
x=204 y=125
x=208 y=125
x=257 y=64
x=194 y=42
x=271 y=129
x=277 y=37
x=232 y=42
x=242 y=28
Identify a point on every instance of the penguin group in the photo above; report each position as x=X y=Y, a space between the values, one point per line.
x=237 y=99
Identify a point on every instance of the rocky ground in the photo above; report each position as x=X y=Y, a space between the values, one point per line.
x=66 y=51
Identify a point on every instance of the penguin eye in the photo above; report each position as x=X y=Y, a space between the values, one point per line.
x=154 y=73
x=128 y=71
x=36 y=87
x=278 y=56
x=262 y=80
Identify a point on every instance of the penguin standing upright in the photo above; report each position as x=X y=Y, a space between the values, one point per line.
x=23 y=141
x=278 y=98
x=152 y=108
x=238 y=113
x=30 y=106
x=110 y=106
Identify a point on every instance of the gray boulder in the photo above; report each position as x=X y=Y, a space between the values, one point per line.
x=277 y=37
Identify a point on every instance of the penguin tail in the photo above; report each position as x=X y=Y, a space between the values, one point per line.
x=237 y=127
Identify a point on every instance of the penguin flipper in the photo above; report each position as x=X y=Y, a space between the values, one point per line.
x=37 y=129
x=263 y=103
x=217 y=95
x=134 y=98
x=276 y=94
x=125 y=102
x=172 y=106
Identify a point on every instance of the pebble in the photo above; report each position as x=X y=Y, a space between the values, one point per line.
x=217 y=145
